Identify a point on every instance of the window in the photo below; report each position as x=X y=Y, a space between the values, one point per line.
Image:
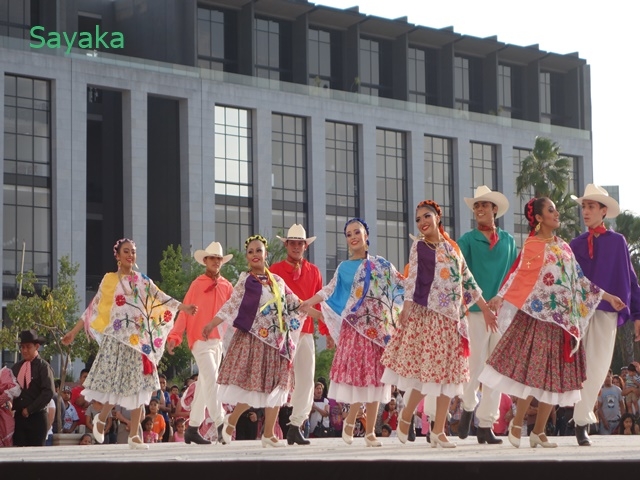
x=233 y=167
x=391 y=176
x=16 y=18
x=289 y=172
x=320 y=58
x=375 y=68
x=520 y=223
x=510 y=91
x=422 y=75
x=27 y=178
x=217 y=44
x=273 y=54
x=551 y=98
x=468 y=84
x=438 y=178
x=483 y=168
x=341 y=150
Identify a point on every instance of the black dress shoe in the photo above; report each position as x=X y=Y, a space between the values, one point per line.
x=295 y=436
x=191 y=434
x=464 y=424
x=486 y=435
x=220 y=436
x=582 y=436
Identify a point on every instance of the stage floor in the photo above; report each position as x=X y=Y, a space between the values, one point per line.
x=330 y=458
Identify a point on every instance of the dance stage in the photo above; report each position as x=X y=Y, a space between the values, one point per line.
x=329 y=459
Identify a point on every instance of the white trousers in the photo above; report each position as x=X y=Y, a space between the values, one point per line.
x=481 y=344
x=208 y=355
x=599 y=340
x=304 y=367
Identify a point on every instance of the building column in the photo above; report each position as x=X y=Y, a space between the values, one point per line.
x=262 y=173
x=415 y=175
x=134 y=168
x=463 y=187
x=367 y=182
x=317 y=194
x=506 y=184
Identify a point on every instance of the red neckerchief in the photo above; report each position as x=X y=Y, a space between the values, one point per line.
x=493 y=238
x=213 y=285
x=600 y=229
x=297 y=269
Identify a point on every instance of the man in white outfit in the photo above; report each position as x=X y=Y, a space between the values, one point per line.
x=209 y=292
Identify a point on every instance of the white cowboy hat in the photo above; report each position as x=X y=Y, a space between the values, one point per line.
x=599 y=194
x=213 y=250
x=484 y=194
x=297 y=232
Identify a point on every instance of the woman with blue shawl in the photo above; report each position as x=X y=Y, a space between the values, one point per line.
x=360 y=307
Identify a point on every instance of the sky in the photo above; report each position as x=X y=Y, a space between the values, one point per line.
x=601 y=33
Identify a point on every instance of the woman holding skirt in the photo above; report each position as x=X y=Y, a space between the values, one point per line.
x=543 y=309
x=428 y=355
x=360 y=307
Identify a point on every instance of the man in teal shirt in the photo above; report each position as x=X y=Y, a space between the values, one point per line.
x=489 y=252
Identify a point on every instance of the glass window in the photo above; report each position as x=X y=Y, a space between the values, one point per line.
x=217 y=39
x=375 y=68
x=27 y=191
x=341 y=152
x=438 y=170
x=233 y=173
x=320 y=61
x=273 y=55
x=484 y=169
x=15 y=18
x=391 y=227
x=289 y=171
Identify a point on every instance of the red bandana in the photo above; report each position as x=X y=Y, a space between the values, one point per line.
x=493 y=238
x=600 y=229
x=212 y=286
x=297 y=269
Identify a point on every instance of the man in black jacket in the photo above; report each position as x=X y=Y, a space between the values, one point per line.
x=35 y=378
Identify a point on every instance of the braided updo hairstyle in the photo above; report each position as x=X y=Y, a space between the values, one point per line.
x=118 y=245
x=361 y=222
x=531 y=209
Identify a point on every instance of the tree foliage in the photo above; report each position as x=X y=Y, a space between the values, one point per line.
x=51 y=312
x=546 y=173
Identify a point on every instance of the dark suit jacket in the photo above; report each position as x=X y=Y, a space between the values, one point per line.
x=40 y=391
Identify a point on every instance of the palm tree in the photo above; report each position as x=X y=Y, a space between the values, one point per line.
x=628 y=225
x=547 y=174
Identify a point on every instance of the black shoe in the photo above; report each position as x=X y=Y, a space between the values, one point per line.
x=411 y=435
x=220 y=437
x=486 y=435
x=295 y=436
x=582 y=436
x=191 y=434
x=464 y=424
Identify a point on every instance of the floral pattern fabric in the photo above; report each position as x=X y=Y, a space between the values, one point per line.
x=374 y=316
x=453 y=289
x=266 y=325
x=562 y=294
x=134 y=311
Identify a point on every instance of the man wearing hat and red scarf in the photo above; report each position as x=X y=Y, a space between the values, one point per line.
x=304 y=279
x=489 y=252
x=35 y=378
x=209 y=292
x=604 y=258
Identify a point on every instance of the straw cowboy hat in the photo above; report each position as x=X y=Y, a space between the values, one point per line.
x=213 y=250
x=484 y=194
x=599 y=194
x=297 y=232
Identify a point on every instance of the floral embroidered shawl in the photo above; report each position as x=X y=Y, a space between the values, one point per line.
x=133 y=311
x=453 y=289
x=561 y=294
x=374 y=316
x=264 y=323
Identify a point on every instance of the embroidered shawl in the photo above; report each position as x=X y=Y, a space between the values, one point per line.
x=263 y=321
x=134 y=311
x=453 y=289
x=562 y=294
x=372 y=311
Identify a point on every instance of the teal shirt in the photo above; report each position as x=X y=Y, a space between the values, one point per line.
x=488 y=267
